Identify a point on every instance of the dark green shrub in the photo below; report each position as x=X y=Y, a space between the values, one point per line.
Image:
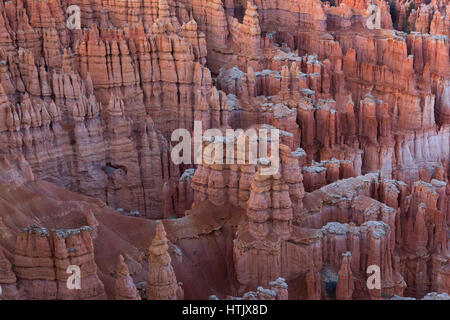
x=393 y=12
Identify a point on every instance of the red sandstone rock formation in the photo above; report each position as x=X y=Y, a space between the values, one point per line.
x=161 y=280
x=210 y=181
x=8 y=281
x=42 y=260
x=364 y=120
x=278 y=291
x=269 y=218
x=345 y=285
x=124 y=288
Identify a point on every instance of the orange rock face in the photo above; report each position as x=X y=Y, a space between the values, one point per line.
x=345 y=285
x=8 y=280
x=161 y=281
x=89 y=119
x=42 y=259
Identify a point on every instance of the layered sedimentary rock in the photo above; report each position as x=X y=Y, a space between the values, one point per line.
x=278 y=291
x=159 y=36
x=106 y=65
x=112 y=234
x=161 y=280
x=432 y=18
x=8 y=280
x=424 y=238
x=231 y=181
x=361 y=102
x=124 y=288
x=261 y=248
x=319 y=174
x=345 y=285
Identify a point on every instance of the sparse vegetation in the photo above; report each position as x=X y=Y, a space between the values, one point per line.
x=393 y=12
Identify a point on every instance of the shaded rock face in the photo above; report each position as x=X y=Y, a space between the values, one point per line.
x=124 y=288
x=87 y=116
x=8 y=280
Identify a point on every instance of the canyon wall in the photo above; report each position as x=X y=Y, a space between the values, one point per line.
x=86 y=167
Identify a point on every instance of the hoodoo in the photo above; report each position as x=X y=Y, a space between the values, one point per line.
x=224 y=150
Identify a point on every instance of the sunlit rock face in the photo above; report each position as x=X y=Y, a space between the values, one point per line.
x=91 y=104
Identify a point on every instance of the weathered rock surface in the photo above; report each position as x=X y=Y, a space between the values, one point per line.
x=86 y=123
x=161 y=280
x=124 y=288
x=42 y=260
